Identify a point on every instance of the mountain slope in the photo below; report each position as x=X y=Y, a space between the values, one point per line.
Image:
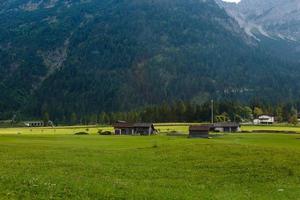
x=86 y=57
x=275 y=23
x=273 y=18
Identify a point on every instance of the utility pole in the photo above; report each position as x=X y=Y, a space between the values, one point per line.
x=212 y=111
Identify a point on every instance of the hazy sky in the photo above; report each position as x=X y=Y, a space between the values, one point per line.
x=236 y=1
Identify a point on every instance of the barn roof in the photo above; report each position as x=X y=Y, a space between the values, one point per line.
x=123 y=125
x=226 y=124
x=143 y=125
x=132 y=125
x=33 y=122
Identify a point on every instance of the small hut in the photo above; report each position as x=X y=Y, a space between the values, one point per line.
x=144 y=128
x=125 y=128
x=199 y=131
x=226 y=127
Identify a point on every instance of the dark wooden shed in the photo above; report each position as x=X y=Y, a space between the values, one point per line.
x=226 y=127
x=144 y=128
x=199 y=131
x=125 y=128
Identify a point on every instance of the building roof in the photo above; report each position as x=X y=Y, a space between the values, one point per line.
x=123 y=125
x=262 y=116
x=226 y=124
x=6 y=121
x=132 y=125
x=33 y=122
x=200 y=128
x=143 y=125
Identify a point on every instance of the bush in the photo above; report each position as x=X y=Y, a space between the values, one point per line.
x=246 y=131
x=81 y=133
x=105 y=133
x=155 y=145
x=275 y=131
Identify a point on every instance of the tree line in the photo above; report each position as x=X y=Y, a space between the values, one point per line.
x=181 y=111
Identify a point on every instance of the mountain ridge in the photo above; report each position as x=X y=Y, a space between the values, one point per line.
x=271 y=18
x=275 y=25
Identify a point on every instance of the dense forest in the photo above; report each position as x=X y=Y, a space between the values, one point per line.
x=180 y=111
x=78 y=59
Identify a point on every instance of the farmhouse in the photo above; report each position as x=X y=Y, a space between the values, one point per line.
x=264 y=119
x=125 y=128
x=34 y=123
x=199 y=131
x=226 y=127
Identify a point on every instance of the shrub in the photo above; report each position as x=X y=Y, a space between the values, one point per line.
x=246 y=131
x=105 y=133
x=175 y=133
x=81 y=133
x=275 y=131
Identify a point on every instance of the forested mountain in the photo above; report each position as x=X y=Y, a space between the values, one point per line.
x=61 y=57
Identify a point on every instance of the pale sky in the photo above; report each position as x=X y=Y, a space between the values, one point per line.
x=232 y=1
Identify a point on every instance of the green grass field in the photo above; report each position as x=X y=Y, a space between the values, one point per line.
x=47 y=164
x=162 y=127
x=272 y=127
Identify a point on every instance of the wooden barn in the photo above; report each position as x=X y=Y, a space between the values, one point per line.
x=199 y=131
x=144 y=128
x=125 y=128
x=226 y=127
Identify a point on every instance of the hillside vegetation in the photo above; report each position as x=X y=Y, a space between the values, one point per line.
x=87 y=57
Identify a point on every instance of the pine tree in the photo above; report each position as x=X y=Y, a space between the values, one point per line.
x=73 y=118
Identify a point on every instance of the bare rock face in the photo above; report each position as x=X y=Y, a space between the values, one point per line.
x=272 y=18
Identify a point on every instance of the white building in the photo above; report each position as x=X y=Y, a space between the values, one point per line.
x=34 y=123
x=264 y=119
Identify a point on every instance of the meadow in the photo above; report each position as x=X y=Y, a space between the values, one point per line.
x=53 y=163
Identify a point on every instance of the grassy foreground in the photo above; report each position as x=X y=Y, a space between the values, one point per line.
x=59 y=166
